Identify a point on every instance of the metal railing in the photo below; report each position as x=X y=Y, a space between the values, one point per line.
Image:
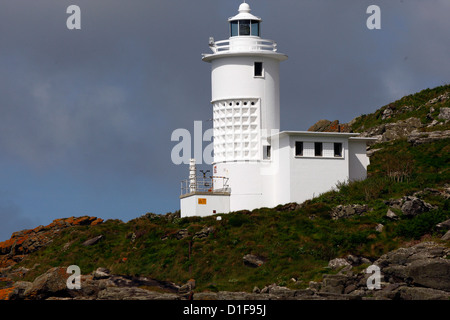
x=254 y=45
x=211 y=185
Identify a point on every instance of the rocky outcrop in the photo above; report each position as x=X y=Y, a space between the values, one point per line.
x=346 y=211
x=330 y=126
x=392 y=131
x=419 y=272
x=24 y=242
x=416 y=137
x=410 y=205
x=414 y=273
x=424 y=265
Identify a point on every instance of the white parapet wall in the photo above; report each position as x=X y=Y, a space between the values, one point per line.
x=204 y=204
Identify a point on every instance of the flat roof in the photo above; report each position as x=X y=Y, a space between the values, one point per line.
x=317 y=134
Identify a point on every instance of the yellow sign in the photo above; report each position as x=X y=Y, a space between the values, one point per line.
x=201 y=201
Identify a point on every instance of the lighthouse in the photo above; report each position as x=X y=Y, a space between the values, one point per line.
x=255 y=164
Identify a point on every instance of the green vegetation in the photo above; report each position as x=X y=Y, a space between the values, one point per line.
x=295 y=244
x=409 y=106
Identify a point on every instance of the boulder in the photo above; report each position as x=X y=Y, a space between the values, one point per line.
x=204 y=233
x=379 y=228
x=444 y=113
x=337 y=263
x=400 y=129
x=391 y=215
x=413 y=206
x=445 y=225
x=101 y=273
x=50 y=284
x=346 y=211
x=446 y=236
x=418 y=293
x=334 y=283
x=92 y=241
x=253 y=260
x=416 y=138
x=430 y=273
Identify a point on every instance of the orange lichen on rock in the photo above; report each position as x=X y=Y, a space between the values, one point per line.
x=4 y=293
x=27 y=241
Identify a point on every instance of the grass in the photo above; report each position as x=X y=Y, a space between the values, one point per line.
x=418 y=109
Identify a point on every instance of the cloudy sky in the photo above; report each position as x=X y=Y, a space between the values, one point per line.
x=86 y=116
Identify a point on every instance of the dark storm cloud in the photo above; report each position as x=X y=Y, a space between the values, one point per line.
x=100 y=103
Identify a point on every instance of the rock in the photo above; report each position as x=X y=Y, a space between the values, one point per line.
x=413 y=206
x=370 y=152
x=19 y=289
x=320 y=125
x=253 y=261
x=101 y=273
x=50 y=284
x=446 y=236
x=256 y=290
x=92 y=241
x=337 y=263
x=391 y=215
x=443 y=97
x=431 y=273
x=387 y=113
x=400 y=129
x=417 y=293
x=204 y=233
x=293 y=206
x=444 y=113
x=334 y=283
x=330 y=126
x=132 y=293
x=379 y=228
x=346 y=211
x=445 y=225
x=423 y=264
x=315 y=286
x=27 y=241
x=416 y=138
x=181 y=234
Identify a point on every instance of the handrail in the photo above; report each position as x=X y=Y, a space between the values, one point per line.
x=251 y=44
x=204 y=185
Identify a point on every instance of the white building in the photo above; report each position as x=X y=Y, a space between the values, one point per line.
x=255 y=164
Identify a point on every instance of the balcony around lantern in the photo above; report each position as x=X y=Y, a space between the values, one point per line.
x=243 y=44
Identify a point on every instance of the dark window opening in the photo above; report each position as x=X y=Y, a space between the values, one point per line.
x=298 y=148
x=258 y=69
x=266 y=152
x=338 y=149
x=318 y=148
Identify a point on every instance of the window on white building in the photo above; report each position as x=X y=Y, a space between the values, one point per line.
x=266 y=152
x=318 y=149
x=258 y=69
x=298 y=148
x=338 y=149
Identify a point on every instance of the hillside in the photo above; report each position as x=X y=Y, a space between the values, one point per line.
x=403 y=202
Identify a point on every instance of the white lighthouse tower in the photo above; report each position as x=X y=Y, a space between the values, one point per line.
x=246 y=107
x=255 y=165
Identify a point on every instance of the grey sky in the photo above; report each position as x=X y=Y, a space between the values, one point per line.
x=86 y=115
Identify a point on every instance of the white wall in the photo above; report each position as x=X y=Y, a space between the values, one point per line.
x=309 y=175
x=233 y=78
x=191 y=207
x=250 y=184
x=359 y=160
